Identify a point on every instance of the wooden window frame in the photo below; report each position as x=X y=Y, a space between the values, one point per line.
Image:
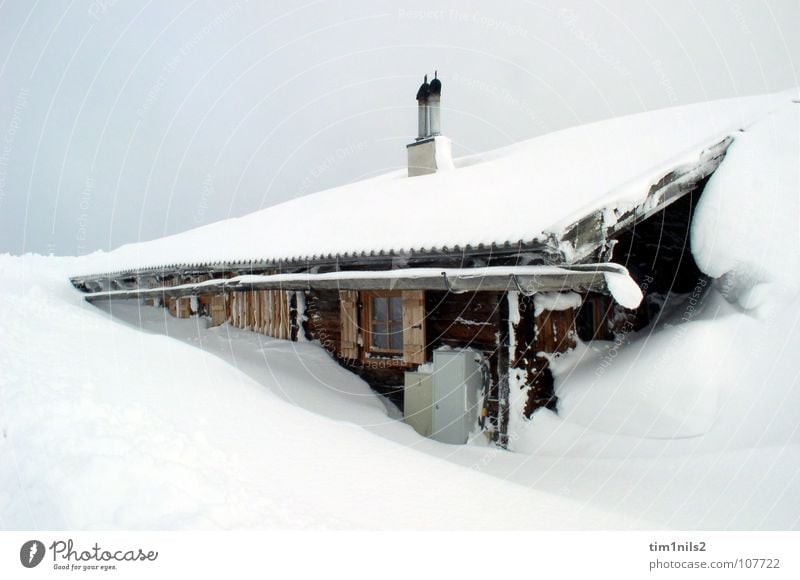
x=369 y=350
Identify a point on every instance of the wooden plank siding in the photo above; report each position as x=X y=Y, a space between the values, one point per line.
x=217 y=310
x=414 y=327
x=348 y=324
x=264 y=311
x=183 y=307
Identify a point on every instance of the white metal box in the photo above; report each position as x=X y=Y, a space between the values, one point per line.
x=457 y=380
x=418 y=402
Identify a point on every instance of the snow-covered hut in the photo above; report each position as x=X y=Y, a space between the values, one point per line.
x=510 y=257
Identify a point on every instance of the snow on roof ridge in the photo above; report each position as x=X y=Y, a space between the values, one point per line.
x=575 y=168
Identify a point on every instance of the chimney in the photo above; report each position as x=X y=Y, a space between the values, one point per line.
x=422 y=110
x=435 y=120
x=430 y=152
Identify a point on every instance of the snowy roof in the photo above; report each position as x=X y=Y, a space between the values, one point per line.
x=524 y=192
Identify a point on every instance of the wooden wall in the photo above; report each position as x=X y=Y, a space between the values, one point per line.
x=264 y=311
x=535 y=337
x=476 y=320
x=471 y=320
x=323 y=323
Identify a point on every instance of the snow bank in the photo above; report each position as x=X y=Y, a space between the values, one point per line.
x=95 y=438
x=104 y=426
x=669 y=381
x=709 y=394
x=747 y=225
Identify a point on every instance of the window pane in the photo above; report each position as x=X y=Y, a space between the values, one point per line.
x=379 y=309
x=380 y=338
x=396 y=337
x=396 y=303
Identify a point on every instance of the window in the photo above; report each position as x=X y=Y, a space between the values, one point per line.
x=385 y=324
x=385 y=319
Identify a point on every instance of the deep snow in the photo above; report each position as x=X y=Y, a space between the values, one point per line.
x=107 y=426
x=106 y=423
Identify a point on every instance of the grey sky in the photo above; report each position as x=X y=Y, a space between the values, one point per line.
x=123 y=121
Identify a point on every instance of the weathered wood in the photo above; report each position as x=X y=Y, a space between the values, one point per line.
x=555 y=331
x=218 y=314
x=414 y=326
x=322 y=321
x=534 y=338
x=462 y=320
x=276 y=316
x=349 y=323
x=264 y=311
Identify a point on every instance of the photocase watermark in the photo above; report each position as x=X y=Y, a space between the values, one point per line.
x=620 y=337
x=462 y=16
x=67 y=556
x=20 y=104
x=185 y=50
x=665 y=82
x=611 y=353
x=98 y=8
x=314 y=316
x=31 y=553
x=738 y=15
x=84 y=204
x=329 y=162
x=206 y=192
x=502 y=95
x=569 y=18
x=667 y=355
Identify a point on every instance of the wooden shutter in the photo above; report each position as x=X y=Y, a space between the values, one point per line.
x=183 y=305
x=276 y=311
x=235 y=309
x=414 y=326
x=217 y=309
x=348 y=320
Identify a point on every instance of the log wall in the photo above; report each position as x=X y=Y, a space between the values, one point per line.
x=470 y=320
x=534 y=339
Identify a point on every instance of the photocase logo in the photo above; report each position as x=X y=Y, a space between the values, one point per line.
x=31 y=553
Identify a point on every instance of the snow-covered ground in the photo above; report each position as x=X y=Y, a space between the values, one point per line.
x=107 y=426
x=107 y=422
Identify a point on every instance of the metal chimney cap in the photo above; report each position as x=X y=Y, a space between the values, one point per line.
x=424 y=90
x=436 y=85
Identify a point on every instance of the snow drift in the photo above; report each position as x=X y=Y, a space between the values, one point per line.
x=690 y=424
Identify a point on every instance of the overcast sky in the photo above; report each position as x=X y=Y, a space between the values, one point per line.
x=123 y=121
